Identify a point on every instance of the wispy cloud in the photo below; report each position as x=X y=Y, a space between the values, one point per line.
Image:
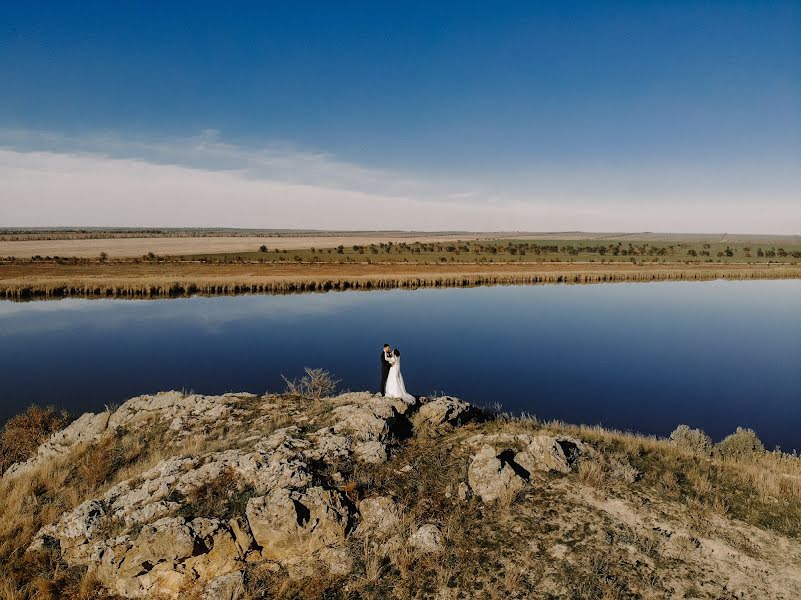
x=105 y=179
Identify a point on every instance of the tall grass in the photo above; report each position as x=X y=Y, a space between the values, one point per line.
x=143 y=287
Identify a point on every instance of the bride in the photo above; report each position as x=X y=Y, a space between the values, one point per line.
x=395 y=386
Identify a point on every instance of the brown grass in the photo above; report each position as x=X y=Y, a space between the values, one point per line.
x=153 y=280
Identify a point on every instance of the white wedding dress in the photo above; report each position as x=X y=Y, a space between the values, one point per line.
x=395 y=386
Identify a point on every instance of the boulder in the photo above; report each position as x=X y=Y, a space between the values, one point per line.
x=369 y=418
x=240 y=529
x=75 y=530
x=167 y=540
x=446 y=411
x=494 y=475
x=549 y=453
x=167 y=553
x=288 y=524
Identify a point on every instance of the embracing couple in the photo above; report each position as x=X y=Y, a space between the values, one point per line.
x=392 y=385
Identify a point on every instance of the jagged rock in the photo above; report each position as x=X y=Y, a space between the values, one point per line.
x=329 y=446
x=288 y=524
x=165 y=553
x=538 y=452
x=549 y=453
x=240 y=528
x=380 y=516
x=494 y=475
x=428 y=538
x=219 y=552
x=446 y=411
x=369 y=418
x=140 y=536
x=169 y=539
x=85 y=429
x=182 y=413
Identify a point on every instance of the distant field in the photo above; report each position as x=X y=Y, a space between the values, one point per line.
x=128 y=247
x=512 y=251
x=279 y=262
x=387 y=246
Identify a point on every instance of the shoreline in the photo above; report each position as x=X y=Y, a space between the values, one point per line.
x=124 y=280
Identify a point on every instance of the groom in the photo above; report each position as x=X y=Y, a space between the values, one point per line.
x=386 y=353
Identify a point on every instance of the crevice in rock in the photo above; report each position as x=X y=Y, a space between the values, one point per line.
x=303 y=514
x=507 y=457
x=570 y=450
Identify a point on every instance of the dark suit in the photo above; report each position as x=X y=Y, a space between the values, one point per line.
x=385 y=366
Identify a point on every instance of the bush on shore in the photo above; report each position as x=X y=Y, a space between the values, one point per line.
x=316 y=384
x=742 y=443
x=694 y=440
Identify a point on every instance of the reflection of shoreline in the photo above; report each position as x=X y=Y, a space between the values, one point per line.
x=125 y=281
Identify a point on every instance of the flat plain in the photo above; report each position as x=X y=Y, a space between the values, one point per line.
x=184 y=262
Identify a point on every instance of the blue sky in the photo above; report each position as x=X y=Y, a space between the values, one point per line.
x=562 y=115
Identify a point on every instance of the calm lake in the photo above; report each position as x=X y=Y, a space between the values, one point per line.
x=636 y=356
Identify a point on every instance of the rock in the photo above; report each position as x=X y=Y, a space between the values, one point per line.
x=428 y=538
x=462 y=491
x=329 y=446
x=446 y=411
x=494 y=476
x=240 y=528
x=374 y=453
x=225 y=587
x=183 y=414
x=380 y=516
x=369 y=418
x=165 y=554
x=74 y=531
x=288 y=524
x=549 y=453
x=217 y=550
x=86 y=429
x=167 y=540
x=139 y=536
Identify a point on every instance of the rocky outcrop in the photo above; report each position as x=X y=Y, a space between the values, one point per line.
x=139 y=536
x=446 y=411
x=237 y=497
x=493 y=476
x=292 y=524
x=181 y=413
x=273 y=495
x=500 y=474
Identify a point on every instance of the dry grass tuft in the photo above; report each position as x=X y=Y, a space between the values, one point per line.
x=23 y=433
x=316 y=384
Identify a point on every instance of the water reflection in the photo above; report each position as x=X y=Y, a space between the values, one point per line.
x=639 y=356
